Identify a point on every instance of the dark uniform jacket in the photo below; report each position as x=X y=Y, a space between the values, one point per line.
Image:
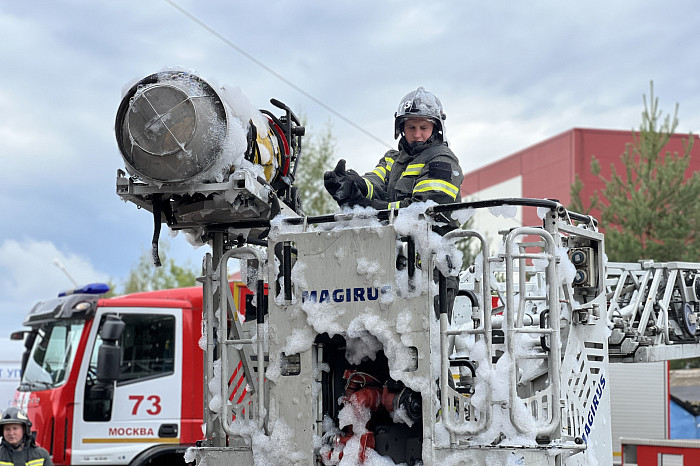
x=429 y=171
x=31 y=455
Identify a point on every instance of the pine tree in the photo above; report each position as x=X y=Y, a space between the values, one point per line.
x=576 y=201
x=651 y=211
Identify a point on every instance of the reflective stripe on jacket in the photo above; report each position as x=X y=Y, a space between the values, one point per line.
x=400 y=178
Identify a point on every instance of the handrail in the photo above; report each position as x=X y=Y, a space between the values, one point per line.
x=485 y=417
x=554 y=359
x=242 y=252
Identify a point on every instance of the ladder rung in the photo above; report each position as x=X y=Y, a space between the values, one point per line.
x=529 y=255
x=545 y=331
x=239 y=342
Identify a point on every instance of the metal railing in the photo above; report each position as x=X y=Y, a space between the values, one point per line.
x=456 y=408
x=549 y=398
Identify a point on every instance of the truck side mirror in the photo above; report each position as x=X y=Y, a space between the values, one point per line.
x=109 y=354
x=112 y=329
x=28 y=343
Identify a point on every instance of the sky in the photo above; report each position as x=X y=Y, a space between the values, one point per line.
x=509 y=74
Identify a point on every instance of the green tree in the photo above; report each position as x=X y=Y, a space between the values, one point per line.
x=576 y=201
x=650 y=211
x=318 y=156
x=147 y=277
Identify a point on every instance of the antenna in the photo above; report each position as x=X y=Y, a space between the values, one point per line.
x=60 y=265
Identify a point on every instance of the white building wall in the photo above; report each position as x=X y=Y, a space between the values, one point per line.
x=639 y=402
x=490 y=223
x=10 y=361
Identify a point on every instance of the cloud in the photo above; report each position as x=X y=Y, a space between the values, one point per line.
x=28 y=274
x=508 y=76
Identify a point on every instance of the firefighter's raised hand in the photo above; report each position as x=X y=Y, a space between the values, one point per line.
x=332 y=179
x=337 y=183
x=345 y=186
x=358 y=181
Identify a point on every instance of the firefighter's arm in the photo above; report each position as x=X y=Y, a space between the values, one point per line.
x=377 y=179
x=439 y=180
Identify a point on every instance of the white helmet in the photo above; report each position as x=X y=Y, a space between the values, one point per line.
x=420 y=104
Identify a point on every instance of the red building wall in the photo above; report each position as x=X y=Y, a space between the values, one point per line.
x=549 y=168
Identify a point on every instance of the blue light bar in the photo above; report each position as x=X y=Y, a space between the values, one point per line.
x=92 y=288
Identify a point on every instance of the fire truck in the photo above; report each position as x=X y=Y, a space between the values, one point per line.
x=115 y=380
x=363 y=352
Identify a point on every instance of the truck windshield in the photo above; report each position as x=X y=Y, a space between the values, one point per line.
x=52 y=355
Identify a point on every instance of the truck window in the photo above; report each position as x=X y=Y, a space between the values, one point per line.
x=52 y=355
x=146 y=346
x=147 y=352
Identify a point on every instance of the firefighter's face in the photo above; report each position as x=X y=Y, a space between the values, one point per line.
x=13 y=433
x=417 y=129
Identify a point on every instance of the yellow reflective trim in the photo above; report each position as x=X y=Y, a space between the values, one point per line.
x=131 y=440
x=413 y=169
x=389 y=163
x=394 y=205
x=436 y=185
x=370 y=189
x=36 y=462
x=380 y=172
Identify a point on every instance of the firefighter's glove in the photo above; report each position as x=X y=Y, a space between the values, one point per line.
x=358 y=191
x=357 y=198
x=333 y=180
x=344 y=186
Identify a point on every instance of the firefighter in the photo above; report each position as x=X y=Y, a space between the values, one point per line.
x=18 y=446
x=423 y=168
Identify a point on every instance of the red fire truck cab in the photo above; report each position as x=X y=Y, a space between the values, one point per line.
x=115 y=381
